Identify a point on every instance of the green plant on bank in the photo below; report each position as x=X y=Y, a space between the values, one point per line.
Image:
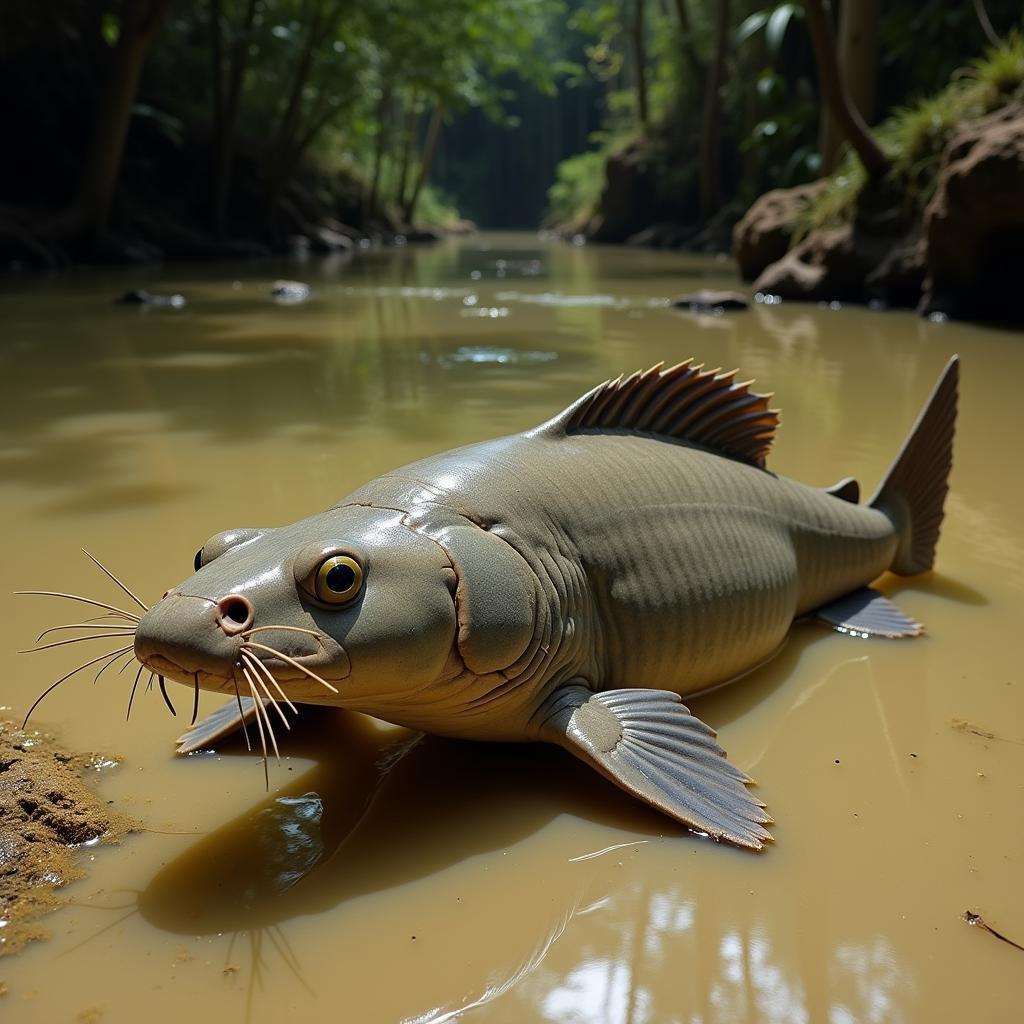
x=915 y=136
x=577 y=187
x=437 y=208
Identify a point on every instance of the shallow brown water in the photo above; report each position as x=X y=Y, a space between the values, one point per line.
x=508 y=884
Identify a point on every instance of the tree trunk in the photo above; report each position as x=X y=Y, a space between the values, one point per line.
x=849 y=123
x=690 y=54
x=640 y=63
x=426 y=159
x=227 y=104
x=710 y=186
x=86 y=214
x=858 y=66
x=287 y=143
x=986 y=23
x=383 y=120
x=408 y=143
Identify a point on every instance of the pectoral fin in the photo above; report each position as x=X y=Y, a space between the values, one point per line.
x=223 y=722
x=866 y=612
x=647 y=742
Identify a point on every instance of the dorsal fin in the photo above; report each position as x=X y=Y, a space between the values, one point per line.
x=685 y=402
x=846 y=490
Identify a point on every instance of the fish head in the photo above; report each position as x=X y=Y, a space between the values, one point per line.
x=337 y=608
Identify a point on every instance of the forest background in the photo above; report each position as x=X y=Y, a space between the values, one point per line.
x=203 y=128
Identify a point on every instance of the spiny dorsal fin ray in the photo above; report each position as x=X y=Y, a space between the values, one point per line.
x=685 y=402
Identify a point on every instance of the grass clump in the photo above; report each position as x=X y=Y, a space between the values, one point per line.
x=577 y=188
x=915 y=136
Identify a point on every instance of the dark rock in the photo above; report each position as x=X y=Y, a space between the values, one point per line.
x=141 y=297
x=290 y=293
x=764 y=232
x=834 y=264
x=974 y=225
x=709 y=301
x=898 y=279
x=326 y=239
x=421 y=235
x=634 y=195
x=827 y=266
x=716 y=235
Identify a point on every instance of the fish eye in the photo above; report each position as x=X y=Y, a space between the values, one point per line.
x=197 y=562
x=339 y=579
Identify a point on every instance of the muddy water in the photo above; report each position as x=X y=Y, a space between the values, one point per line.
x=386 y=879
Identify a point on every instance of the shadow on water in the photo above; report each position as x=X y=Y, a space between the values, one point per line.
x=375 y=813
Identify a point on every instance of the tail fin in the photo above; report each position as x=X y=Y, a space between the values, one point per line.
x=914 y=490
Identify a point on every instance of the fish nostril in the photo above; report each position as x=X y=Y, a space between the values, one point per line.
x=234 y=613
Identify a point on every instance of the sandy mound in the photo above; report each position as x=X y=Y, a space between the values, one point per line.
x=46 y=812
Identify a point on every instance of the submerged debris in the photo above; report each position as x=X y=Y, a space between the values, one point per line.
x=963 y=725
x=46 y=812
x=977 y=921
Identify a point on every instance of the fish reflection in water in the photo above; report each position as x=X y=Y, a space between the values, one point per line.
x=381 y=809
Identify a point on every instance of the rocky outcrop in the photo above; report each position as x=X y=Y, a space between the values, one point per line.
x=709 y=300
x=961 y=259
x=635 y=195
x=763 y=234
x=974 y=225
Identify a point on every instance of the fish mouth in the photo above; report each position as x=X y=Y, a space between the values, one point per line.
x=286 y=667
x=161 y=665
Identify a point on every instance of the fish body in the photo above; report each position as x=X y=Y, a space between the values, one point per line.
x=655 y=563
x=568 y=584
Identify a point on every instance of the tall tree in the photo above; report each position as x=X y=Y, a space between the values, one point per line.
x=426 y=159
x=710 y=136
x=637 y=35
x=228 y=72
x=859 y=22
x=85 y=217
x=848 y=121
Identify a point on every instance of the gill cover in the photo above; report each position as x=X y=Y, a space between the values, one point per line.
x=496 y=593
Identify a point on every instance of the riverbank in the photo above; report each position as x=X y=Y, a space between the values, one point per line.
x=938 y=228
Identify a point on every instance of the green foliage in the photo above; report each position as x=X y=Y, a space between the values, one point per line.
x=915 y=136
x=577 y=187
x=437 y=208
x=774 y=20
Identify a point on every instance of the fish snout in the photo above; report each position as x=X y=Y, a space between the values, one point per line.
x=182 y=635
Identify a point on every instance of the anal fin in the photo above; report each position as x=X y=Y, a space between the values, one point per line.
x=648 y=743
x=223 y=722
x=866 y=612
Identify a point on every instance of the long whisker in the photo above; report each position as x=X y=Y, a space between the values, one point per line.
x=77 y=597
x=263 y=686
x=138 y=676
x=112 y=663
x=258 y=664
x=286 y=629
x=292 y=662
x=53 y=686
x=163 y=693
x=266 y=715
x=87 y=624
x=259 y=722
x=77 y=640
x=142 y=604
x=195 y=701
x=241 y=713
